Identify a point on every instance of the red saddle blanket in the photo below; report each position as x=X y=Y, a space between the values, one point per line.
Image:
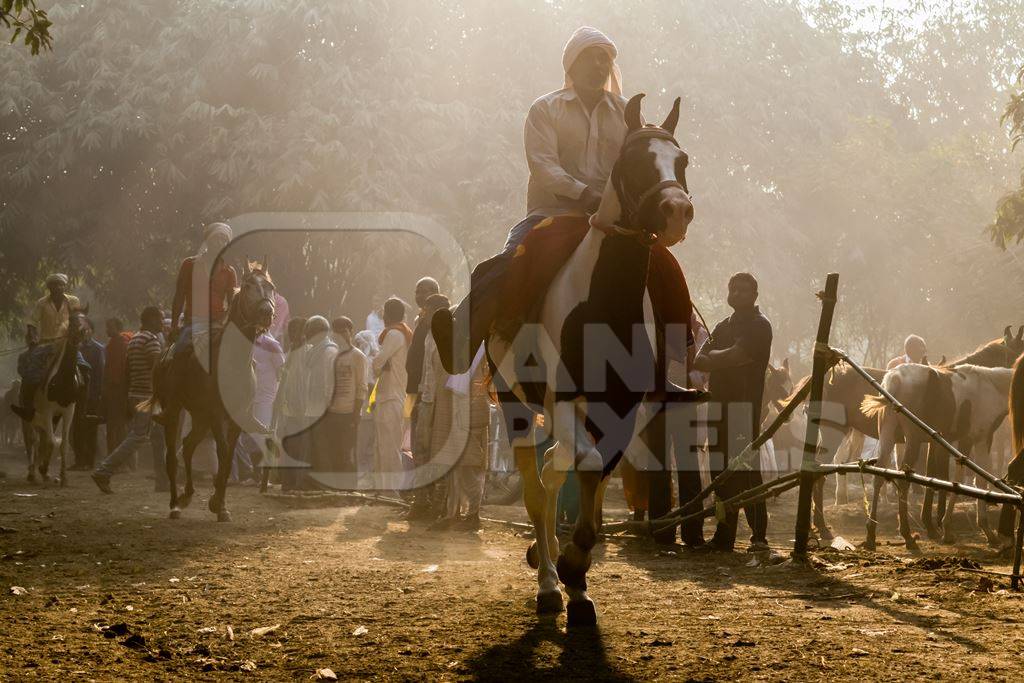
x=549 y=245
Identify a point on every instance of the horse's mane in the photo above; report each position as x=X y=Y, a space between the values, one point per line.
x=977 y=354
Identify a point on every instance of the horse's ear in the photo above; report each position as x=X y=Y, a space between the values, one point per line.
x=632 y=113
x=924 y=360
x=672 y=119
x=266 y=268
x=1008 y=333
x=785 y=364
x=1020 y=333
x=942 y=361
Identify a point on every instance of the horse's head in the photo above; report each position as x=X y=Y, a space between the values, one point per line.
x=778 y=382
x=651 y=198
x=255 y=297
x=1014 y=344
x=77 y=324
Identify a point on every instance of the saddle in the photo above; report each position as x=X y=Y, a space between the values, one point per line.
x=547 y=248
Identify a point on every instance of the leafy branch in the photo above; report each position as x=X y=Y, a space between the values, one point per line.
x=1008 y=224
x=28 y=20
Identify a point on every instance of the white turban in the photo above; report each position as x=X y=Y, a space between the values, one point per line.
x=581 y=39
x=217 y=229
x=57 y=278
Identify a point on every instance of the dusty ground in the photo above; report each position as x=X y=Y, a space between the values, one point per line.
x=115 y=590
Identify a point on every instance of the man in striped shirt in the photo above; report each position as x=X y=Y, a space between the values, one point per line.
x=144 y=350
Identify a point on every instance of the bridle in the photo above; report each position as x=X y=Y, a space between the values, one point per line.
x=242 y=306
x=631 y=208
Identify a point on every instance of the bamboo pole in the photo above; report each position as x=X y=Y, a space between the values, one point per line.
x=995 y=497
x=817 y=383
x=1018 y=542
x=923 y=426
x=746 y=454
x=645 y=528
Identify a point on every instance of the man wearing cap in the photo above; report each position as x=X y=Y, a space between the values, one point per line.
x=203 y=292
x=51 y=313
x=47 y=324
x=572 y=139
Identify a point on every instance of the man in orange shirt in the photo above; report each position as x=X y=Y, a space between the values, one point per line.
x=203 y=292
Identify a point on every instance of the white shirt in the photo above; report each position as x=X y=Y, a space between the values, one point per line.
x=568 y=149
x=389 y=366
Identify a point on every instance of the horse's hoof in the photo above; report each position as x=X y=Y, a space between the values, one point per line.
x=572 y=565
x=184 y=500
x=826 y=534
x=949 y=539
x=581 y=614
x=533 y=558
x=869 y=544
x=223 y=516
x=913 y=548
x=63 y=481
x=175 y=514
x=550 y=603
x=932 y=533
x=215 y=505
x=31 y=478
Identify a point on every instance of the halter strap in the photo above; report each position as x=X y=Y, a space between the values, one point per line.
x=632 y=207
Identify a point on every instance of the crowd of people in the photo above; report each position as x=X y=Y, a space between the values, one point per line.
x=368 y=409
x=400 y=406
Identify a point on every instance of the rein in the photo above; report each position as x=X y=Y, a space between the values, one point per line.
x=631 y=208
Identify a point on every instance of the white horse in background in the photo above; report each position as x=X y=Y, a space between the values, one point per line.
x=967 y=404
x=54 y=401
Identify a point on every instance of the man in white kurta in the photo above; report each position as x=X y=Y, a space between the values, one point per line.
x=572 y=139
x=389 y=367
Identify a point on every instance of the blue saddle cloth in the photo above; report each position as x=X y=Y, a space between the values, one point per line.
x=32 y=364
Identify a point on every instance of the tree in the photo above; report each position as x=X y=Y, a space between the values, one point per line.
x=1008 y=224
x=25 y=18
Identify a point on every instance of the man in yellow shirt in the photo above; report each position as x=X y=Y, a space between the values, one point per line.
x=51 y=313
x=47 y=324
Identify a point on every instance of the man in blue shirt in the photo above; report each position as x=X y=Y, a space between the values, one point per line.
x=85 y=425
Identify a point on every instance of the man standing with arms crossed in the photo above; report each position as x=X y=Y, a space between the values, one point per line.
x=736 y=357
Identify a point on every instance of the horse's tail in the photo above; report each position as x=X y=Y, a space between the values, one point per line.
x=876 y=405
x=873 y=406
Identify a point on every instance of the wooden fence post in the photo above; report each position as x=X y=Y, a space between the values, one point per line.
x=807 y=474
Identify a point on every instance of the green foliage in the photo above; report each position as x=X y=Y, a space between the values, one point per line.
x=29 y=21
x=815 y=145
x=1009 y=220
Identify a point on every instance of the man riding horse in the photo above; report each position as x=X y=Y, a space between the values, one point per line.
x=572 y=139
x=47 y=324
x=593 y=304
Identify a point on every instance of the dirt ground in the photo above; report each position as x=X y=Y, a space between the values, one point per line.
x=112 y=589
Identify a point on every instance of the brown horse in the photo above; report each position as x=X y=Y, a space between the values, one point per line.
x=218 y=397
x=1015 y=470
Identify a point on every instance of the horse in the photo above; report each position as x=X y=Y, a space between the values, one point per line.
x=54 y=401
x=1015 y=469
x=10 y=423
x=218 y=398
x=998 y=353
x=778 y=385
x=971 y=402
x=841 y=420
x=602 y=286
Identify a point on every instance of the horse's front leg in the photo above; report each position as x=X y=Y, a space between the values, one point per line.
x=225 y=455
x=575 y=558
x=188 y=447
x=539 y=555
x=948 y=536
x=65 y=433
x=171 y=418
